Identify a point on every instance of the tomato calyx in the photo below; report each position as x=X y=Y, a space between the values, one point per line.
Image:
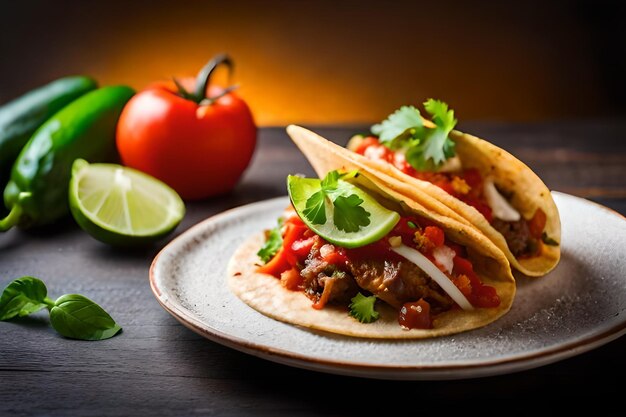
x=203 y=79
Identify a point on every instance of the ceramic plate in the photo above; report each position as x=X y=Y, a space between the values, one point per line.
x=577 y=307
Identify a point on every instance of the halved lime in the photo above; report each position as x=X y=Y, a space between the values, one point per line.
x=381 y=220
x=122 y=206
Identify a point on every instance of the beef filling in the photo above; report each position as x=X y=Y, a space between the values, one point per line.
x=393 y=281
x=517 y=236
x=398 y=282
x=317 y=274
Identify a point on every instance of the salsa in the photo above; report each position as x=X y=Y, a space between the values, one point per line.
x=327 y=273
x=523 y=237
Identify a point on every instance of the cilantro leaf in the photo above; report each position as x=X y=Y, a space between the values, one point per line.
x=330 y=181
x=424 y=148
x=362 y=308
x=349 y=216
x=436 y=146
x=315 y=209
x=548 y=240
x=273 y=243
x=442 y=116
x=398 y=123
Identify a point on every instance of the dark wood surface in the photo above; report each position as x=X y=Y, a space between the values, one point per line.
x=158 y=367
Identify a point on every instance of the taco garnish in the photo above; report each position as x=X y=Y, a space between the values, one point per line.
x=463 y=177
x=424 y=273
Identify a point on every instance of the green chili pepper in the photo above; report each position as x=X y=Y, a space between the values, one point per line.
x=21 y=117
x=37 y=191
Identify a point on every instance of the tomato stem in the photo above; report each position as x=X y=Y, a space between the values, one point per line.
x=204 y=76
x=183 y=91
x=203 y=79
x=211 y=100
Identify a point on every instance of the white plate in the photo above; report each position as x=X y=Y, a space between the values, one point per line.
x=577 y=307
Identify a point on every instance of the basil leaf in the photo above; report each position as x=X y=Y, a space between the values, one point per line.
x=22 y=297
x=77 y=317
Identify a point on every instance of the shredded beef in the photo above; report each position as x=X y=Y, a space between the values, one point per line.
x=397 y=282
x=517 y=236
x=317 y=274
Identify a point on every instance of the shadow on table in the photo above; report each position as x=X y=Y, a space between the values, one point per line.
x=35 y=321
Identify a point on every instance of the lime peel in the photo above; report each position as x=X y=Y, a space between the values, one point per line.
x=122 y=206
x=381 y=220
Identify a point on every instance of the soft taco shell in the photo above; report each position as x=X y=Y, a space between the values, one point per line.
x=508 y=172
x=265 y=293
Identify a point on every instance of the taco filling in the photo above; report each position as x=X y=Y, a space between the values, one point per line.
x=374 y=255
x=426 y=153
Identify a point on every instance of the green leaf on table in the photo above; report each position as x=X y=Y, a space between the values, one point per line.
x=77 y=317
x=22 y=297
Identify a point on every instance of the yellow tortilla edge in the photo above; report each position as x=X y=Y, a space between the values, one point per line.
x=474 y=153
x=265 y=294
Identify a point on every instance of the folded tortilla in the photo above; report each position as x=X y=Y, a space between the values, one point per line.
x=528 y=191
x=265 y=293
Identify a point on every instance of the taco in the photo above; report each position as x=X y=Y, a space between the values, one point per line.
x=353 y=257
x=460 y=176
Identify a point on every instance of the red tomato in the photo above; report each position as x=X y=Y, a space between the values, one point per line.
x=537 y=224
x=198 y=143
x=366 y=143
x=435 y=235
x=415 y=315
x=291 y=279
x=473 y=178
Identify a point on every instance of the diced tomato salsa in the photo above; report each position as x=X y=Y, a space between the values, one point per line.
x=466 y=185
x=416 y=315
x=416 y=232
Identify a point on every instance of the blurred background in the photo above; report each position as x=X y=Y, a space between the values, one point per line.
x=338 y=62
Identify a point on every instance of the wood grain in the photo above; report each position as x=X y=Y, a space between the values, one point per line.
x=158 y=367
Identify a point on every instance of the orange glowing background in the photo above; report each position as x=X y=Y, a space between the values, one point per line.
x=331 y=61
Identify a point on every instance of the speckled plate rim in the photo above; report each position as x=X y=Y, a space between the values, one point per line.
x=514 y=363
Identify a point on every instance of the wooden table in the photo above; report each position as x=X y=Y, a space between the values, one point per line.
x=158 y=367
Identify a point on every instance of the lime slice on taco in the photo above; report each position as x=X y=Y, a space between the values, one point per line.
x=339 y=211
x=400 y=271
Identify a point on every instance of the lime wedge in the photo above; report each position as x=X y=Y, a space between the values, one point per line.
x=122 y=206
x=381 y=220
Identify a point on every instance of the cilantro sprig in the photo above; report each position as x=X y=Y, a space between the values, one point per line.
x=348 y=214
x=548 y=240
x=362 y=308
x=426 y=148
x=273 y=242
